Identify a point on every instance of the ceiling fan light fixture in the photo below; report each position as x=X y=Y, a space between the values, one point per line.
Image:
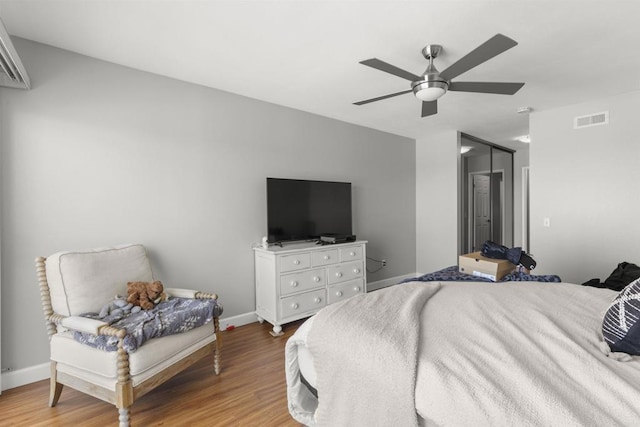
x=430 y=91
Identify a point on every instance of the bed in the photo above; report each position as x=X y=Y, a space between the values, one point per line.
x=462 y=353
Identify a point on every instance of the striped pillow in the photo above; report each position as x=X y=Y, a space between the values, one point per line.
x=621 y=324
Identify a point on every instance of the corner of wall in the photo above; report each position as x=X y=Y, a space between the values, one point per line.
x=437 y=201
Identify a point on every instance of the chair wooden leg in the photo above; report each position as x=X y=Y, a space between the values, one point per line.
x=216 y=354
x=216 y=361
x=54 y=394
x=55 y=388
x=124 y=388
x=123 y=417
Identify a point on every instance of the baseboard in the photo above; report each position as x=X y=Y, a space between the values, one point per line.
x=31 y=374
x=239 y=320
x=374 y=286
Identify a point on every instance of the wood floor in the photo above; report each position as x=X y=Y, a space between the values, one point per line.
x=250 y=391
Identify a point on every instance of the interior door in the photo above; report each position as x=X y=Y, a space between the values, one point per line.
x=482 y=211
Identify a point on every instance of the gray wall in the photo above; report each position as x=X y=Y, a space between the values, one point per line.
x=98 y=154
x=437 y=158
x=586 y=182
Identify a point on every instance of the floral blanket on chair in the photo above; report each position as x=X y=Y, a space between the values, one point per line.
x=169 y=317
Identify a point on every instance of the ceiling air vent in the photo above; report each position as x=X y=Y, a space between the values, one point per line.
x=12 y=72
x=596 y=119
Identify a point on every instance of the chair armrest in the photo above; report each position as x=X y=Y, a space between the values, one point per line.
x=189 y=293
x=83 y=324
x=180 y=293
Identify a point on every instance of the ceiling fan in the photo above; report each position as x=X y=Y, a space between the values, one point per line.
x=432 y=84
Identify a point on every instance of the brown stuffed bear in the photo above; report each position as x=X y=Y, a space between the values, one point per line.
x=145 y=294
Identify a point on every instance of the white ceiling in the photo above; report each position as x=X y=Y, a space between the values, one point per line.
x=305 y=54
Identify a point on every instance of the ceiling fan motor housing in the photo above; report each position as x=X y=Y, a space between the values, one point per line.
x=431 y=87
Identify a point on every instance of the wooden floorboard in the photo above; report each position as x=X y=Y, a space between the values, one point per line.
x=250 y=391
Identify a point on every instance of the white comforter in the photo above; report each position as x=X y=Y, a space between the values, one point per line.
x=506 y=354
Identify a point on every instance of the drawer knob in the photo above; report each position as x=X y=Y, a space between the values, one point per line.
x=326 y=257
x=316 y=279
x=295 y=306
x=356 y=270
x=338 y=274
x=296 y=261
x=294 y=283
x=339 y=293
x=352 y=253
x=356 y=288
x=317 y=300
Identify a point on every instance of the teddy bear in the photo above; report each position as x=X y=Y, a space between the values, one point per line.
x=145 y=294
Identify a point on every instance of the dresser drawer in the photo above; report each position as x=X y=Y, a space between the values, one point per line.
x=350 y=253
x=302 y=281
x=324 y=257
x=301 y=303
x=345 y=290
x=294 y=262
x=345 y=271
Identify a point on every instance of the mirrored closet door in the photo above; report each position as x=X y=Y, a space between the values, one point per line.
x=485 y=194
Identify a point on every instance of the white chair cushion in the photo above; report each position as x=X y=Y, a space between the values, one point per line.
x=81 y=282
x=99 y=367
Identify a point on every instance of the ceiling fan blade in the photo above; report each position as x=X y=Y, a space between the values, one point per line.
x=366 y=101
x=429 y=108
x=486 y=87
x=492 y=47
x=391 y=69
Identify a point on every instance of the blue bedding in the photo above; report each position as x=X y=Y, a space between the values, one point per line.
x=451 y=274
x=168 y=317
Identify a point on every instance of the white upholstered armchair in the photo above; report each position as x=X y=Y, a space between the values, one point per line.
x=75 y=283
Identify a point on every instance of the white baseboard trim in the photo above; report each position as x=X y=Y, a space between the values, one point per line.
x=374 y=286
x=31 y=374
x=239 y=320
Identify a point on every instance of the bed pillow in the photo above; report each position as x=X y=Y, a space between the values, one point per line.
x=621 y=324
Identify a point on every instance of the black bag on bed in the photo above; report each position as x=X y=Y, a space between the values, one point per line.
x=624 y=274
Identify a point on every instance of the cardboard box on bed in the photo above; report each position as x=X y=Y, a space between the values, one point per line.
x=489 y=268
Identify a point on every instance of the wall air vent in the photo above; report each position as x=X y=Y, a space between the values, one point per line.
x=12 y=72
x=596 y=119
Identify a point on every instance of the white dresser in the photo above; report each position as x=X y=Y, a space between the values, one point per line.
x=298 y=279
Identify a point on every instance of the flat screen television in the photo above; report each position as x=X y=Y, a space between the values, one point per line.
x=305 y=210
